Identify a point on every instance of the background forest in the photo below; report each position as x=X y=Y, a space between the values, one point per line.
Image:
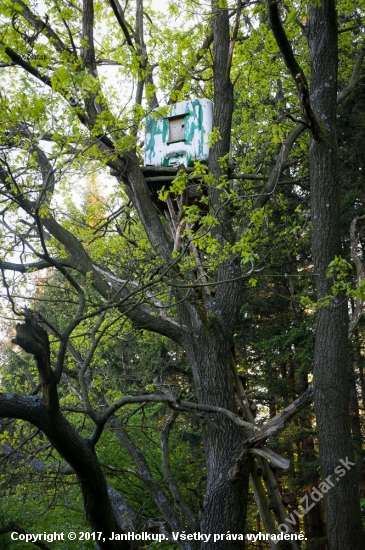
x=163 y=342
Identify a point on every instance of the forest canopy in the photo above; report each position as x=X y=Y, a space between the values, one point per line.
x=166 y=330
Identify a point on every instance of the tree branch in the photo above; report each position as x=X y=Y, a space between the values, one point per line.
x=355 y=77
x=119 y=15
x=276 y=424
x=37 y=266
x=15 y=528
x=18 y=60
x=282 y=157
x=25 y=407
x=41 y=26
x=177 y=404
x=292 y=64
x=33 y=339
x=126 y=517
x=143 y=472
x=234 y=38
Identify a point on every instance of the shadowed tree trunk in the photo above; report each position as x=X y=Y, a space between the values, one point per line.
x=331 y=401
x=226 y=495
x=319 y=107
x=210 y=339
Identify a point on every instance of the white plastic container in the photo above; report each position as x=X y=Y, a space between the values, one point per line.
x=181 y=137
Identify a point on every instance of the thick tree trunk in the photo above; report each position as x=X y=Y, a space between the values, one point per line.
x=330 y=360
x=209 y=344
x=224 y=510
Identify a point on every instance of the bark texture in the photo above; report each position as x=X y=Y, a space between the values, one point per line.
x=210 y=338
x=225 y=498
x=331 y=400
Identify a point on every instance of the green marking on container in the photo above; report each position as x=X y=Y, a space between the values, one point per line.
x=190 y=144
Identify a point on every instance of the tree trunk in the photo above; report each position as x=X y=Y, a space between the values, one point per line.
x=224 y=509
x=263 y=506
x=331 y=401
x=210 y=339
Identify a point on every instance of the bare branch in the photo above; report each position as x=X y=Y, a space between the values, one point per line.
x=355 y=77
x=177 y=404
x=276 y=424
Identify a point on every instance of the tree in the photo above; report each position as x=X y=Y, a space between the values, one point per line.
x=190 y=270
x=330 y=360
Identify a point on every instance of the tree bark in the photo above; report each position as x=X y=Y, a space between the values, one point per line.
x=209 y=340
x=331 y=401
x=225 y=500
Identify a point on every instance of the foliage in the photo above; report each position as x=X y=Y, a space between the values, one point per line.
x=147 y=294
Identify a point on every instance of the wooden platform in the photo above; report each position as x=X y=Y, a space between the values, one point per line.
x=160 y=176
